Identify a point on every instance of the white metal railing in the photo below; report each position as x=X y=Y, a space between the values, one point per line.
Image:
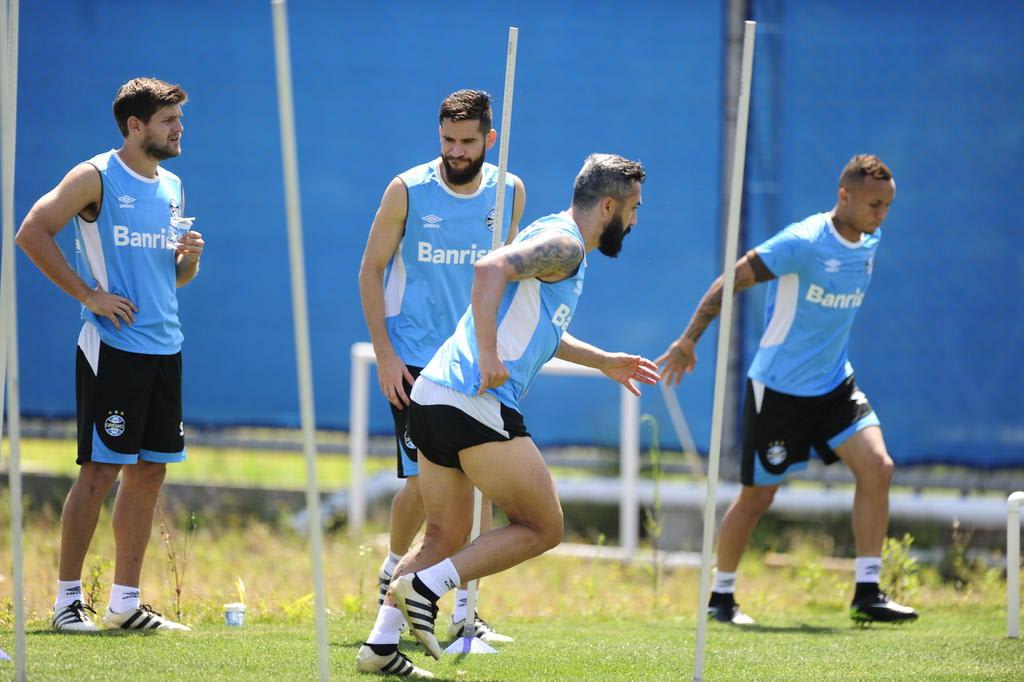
x=629 y=442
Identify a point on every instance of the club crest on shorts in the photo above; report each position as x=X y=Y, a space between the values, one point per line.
x=408 y=441
x=776 y=454
x=489 y=220
x=115 y=424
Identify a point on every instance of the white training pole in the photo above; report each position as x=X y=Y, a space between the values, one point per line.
x=8 y=114
x=302 y=355
x=358 y=436
x=496 y=240
x=478 y=512
x=629 y=472
x=724 y=336
x=506 y=128
x=1013 y=505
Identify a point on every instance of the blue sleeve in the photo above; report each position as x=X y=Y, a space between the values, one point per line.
x=784 y=253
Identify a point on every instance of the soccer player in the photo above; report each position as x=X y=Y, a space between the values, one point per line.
x=464 y=414
x=801 y=389
x=128 y=373
x=434 y=222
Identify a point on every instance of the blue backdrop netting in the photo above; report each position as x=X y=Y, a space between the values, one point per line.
x=937 y=359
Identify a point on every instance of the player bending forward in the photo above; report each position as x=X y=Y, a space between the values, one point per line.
x=801 y=391
x=464 y=414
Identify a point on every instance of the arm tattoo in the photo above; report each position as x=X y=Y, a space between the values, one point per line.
x=558 y=257
x=710 y=307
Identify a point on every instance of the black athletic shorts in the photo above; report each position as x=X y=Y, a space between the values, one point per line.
x=129 y=406
x=779 y=429
x=442 y=431
x=405 y=449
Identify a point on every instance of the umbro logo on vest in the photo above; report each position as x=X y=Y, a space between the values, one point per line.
x=832 y=265
x=126 y=201
x=431 y=221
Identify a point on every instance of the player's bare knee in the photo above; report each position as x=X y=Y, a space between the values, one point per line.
x=97 y=478
x=755 y=500
x=878 y=473
x=148 y=476
x=551 y=531
x=444 y=538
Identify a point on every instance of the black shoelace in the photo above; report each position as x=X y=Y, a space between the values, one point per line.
x=79 y=608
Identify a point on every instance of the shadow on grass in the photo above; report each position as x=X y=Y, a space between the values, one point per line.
x=801 y=629
x=349 y=644
x=96 y=633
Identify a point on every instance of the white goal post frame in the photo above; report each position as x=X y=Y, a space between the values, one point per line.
x=362 y=356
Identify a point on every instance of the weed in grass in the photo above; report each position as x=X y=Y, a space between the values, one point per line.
x=591 y=585
x=176 y=566
x=92 y=585
x=240 y=589
x=364 y=551
x=300 y=610
x=900 y=573
x=653 y=517
x=958 y=567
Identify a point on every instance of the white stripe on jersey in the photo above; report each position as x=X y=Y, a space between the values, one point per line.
x=520 y=321
x=394 y=289
x=784 y=312
x=92 y=248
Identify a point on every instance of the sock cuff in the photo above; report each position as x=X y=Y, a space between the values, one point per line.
x=394 y=557
x=423 y=589
x=386 y=629
x=868 y=569
x=725 y=582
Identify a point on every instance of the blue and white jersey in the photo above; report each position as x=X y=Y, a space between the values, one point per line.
x=531 y=319
x=125 y=251
x=810 y=308
x=428 y=281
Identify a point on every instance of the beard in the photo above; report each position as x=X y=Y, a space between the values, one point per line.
x=158 y=151
x=467 y=174
x=611 y=238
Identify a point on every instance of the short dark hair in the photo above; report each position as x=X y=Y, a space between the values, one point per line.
x=143 y=97
x=864 y=166
x=467 y=105
x=606 y=175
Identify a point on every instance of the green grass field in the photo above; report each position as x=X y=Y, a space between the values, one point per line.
x=806 y=644
x=573 y=619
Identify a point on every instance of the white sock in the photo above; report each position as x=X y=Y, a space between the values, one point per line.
x=869 y=568
x=461 y=597
x=387 y=627
x=390 y=563
x=440 y=578
x=68 y=591
x=123 y=598
x=725 y=583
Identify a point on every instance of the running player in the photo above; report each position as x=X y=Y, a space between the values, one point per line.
x=801 y=389
x=464 y=414
x=130 y=260
x=434 y=222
